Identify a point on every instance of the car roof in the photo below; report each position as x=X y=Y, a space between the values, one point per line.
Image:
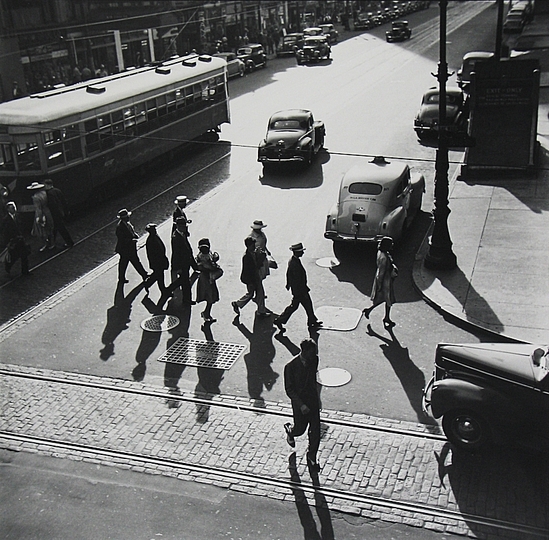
x=453 y=90
x=478 y=54
x=386 y=173
x=314 y=38
x=294 y=34
x=297 y=114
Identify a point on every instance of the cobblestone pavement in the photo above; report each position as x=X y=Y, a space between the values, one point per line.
x=376 y=468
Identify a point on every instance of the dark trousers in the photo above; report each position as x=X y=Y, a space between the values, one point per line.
x=306 y=302
x=156 y=277
x=182 y=281
x=136 y=263
x=59 y=227
x=301 y=422
x=18 y=251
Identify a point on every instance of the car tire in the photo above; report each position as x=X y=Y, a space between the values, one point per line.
x=466 y=430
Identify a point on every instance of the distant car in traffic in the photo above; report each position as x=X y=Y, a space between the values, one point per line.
x=313 y=31
x=330 y=32
x=364 y=21
x=235 y=66
x=292 y=136
x=426 y=122
x=376 y=199
x=290 y=43
x=253 y=56
x=490 y=393
x=468 y=66
x=399 y=31
x=314 y=49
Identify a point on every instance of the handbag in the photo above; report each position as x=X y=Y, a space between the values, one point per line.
x=216 y=273
x=272 y=263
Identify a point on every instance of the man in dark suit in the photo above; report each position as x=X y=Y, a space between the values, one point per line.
x=156 y=254
x=182 y=261
x=126 y=247
x=180 y=205
x=296 y=281
x=301 y=387
x=13 y=240
x=251 y=278
x=59 y=210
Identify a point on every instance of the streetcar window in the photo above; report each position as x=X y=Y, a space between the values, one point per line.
x=71 y=143
x=106 y=140
x=92 y=136
x=28 y=157
x=170 y=99
x=118 y=127
x=129 y=117
x=180 y=97
x=7 y=162
x=140 y=114
x=151 y=109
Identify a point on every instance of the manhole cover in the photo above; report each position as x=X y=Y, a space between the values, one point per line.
x=338 y=318
x=333 y=376
x=327 y=262
x=202 y=353
x=159 y=323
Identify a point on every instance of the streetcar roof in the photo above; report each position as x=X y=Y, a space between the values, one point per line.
x=77 y=99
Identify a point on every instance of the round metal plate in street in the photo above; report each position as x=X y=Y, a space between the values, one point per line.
x=327 y=262
x=159 y=323
x=333 y=376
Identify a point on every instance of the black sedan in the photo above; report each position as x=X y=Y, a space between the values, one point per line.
x=457 y=113
x=292 y=136
x=314 y=49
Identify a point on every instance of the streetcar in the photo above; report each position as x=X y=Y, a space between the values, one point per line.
x=84 y=135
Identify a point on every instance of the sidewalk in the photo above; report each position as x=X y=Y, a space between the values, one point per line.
x=370 y=468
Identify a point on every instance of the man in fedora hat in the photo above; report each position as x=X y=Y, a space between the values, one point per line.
x=126 y=247
x=180 y=205
x=156 y=254
x=296 y=281
x=13 y=239
x=59 y=211
x=182 y=261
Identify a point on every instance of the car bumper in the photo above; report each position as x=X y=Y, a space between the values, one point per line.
x=281 y=159
x=339 y=237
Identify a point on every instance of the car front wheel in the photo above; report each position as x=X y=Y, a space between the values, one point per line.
x=467 y=430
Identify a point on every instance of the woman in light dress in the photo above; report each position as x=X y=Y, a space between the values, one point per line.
x=43 y=220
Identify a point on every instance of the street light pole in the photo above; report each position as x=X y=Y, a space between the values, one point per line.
x=440 y=255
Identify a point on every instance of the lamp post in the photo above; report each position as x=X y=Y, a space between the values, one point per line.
x=440 y=255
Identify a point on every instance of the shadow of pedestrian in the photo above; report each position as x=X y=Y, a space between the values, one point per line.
x=410 y=376
x=118 y=317
x=149 y=342
x=172 y=370
x=209 y=382
x=310 y=531
x=259 y=359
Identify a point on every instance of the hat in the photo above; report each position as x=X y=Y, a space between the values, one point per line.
x=258 y=224
x=180 y=199
x=297 y=247
x=203 y=242
x=150 y=227
x=123 y=213
x=35 y=185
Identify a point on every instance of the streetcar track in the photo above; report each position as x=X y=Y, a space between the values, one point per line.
x=313 y=488
x=112 y=222
x=161 y=394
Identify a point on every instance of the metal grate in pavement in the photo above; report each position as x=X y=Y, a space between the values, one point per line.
x=201 y=353
x=159 y=323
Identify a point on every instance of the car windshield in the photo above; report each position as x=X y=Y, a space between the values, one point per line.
x=245 y=50
x=314 y=41
x=290 y=39
x=288 y=123
x=365 y=188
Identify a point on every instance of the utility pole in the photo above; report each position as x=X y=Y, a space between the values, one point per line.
x=440 y=255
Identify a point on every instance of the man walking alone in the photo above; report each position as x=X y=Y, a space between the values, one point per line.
x=301 y=387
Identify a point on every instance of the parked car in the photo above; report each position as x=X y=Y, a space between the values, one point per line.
x=292 y=136
x=253 y=56
x=426 y=121
x=514 y=22
x=330 y=32
x=491 y=393
x=376 y=199
x=290 y=43
x=399 y=31
x=235 y=66
x=468 y=66
x=314 y=49
x=313 y=31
